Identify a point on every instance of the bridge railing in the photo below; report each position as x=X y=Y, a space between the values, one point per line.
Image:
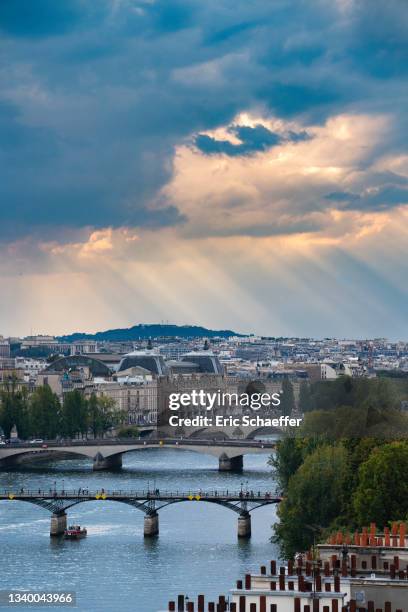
x=142 y=442
x=138 y=494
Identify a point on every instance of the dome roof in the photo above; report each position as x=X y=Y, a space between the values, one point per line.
x=149 y=360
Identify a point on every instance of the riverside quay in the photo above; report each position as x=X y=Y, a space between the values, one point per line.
x=149 y=502
x=106 y=454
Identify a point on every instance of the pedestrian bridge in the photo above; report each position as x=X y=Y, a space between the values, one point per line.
x=148 y=501
x=107 y=454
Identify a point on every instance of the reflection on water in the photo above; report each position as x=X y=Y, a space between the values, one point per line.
x=115 y=568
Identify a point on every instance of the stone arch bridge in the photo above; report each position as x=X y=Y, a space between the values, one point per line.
x=107 y=454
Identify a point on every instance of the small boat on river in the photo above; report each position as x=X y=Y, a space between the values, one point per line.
x=75 y=532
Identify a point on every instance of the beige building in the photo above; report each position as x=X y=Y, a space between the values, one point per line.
x=12 y=378
x=61 y=383
x=186 y=383
x=135 y=397
x=11 y=374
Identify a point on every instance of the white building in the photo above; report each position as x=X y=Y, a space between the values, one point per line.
x=30 y=367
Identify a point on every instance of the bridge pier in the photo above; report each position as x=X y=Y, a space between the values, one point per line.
x=107 y=463
x=151 y=525
x=244 y=525
x=230 y=464
x=58 y=524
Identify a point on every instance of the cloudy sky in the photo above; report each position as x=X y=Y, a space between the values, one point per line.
x=237 y=164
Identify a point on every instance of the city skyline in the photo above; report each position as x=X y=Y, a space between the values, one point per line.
x=236 y=167
x=91 y=335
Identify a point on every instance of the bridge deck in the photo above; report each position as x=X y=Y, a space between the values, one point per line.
x=63 y=444
x=143 y=495
x=149 y=502
x=103 y=452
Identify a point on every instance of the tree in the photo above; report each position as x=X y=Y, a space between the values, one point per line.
x=382 y=395
x=8 y=407
x=14 y=409
x=315 y=496
x=305 y=400
x=45 y=413
x=287 y=398
x=343 y=391
x=110 y=416
x=353 y=422
x=287 y=459
x=382 y=492
x=342 y=422
x=74 y=414
x=345 y=470
x=94 y=417
x=131 y=431
x=103 y=415
x=23 y=420
x=379 y=393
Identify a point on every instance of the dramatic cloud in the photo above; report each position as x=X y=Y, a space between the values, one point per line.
x=251 y=140
x=387 y=196
x=287 y=188
x=147 y=138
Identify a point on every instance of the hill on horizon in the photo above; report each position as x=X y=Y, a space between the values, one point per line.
x=155 y=330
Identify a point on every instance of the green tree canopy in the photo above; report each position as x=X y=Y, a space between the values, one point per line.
x=382 y=492
x=103 y=415
x=9 y=406
x=286 y=460
x=94 y=416
x=287 y=398
x=353 y=423
x=106 y=414
x=45 y=413
x=131 y=431
x=74 y=414
x=305 y=399
x=314 y=496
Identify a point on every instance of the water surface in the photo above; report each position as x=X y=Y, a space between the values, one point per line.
x=115 y=568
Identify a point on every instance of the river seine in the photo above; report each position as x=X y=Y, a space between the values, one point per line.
x=115 y=568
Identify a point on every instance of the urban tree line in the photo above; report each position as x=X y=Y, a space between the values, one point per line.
x=42 y=415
